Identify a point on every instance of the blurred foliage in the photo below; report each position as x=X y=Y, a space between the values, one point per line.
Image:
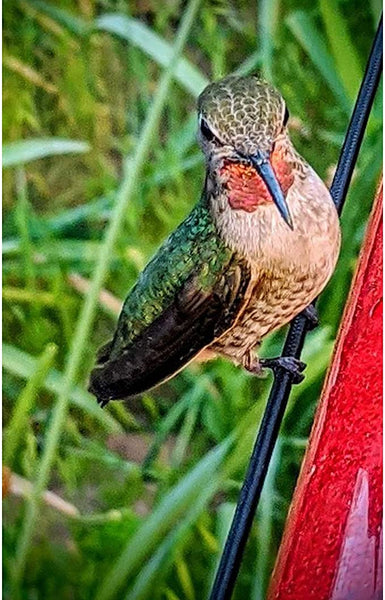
x=153 y=484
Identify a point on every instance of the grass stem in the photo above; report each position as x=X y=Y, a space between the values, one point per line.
x=132 y=170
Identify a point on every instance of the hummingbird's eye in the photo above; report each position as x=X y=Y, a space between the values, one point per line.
x=206 y=131
x=286 y=117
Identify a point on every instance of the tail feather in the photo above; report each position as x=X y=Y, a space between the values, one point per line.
x=121 y=378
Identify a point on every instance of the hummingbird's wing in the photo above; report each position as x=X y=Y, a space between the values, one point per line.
x=188 y=295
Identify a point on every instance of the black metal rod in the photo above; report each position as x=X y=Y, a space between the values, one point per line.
x=275 y=408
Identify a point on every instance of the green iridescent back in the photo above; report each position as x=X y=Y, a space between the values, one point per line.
x=194 y=248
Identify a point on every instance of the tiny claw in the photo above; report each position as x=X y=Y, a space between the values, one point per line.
x=311 y=314
x=288 y=363
x=102 y=402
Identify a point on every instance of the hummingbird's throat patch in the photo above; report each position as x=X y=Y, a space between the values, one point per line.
x=247 y=190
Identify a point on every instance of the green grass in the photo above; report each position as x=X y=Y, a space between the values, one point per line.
x=100 y=164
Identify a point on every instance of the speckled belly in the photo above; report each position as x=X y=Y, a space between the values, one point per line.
x=273 y=303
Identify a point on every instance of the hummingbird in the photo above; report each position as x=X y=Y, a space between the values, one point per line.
x=256 y=250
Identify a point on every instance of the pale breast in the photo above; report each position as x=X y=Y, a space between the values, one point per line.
x=290 y=267
x=273 y=303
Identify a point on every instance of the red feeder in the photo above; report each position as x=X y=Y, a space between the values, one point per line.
x=332 y=544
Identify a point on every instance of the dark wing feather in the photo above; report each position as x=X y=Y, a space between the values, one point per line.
x=193 y=320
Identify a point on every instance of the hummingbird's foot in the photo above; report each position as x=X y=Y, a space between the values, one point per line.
x=289 y=363
x=311 y=313
x=102 y=402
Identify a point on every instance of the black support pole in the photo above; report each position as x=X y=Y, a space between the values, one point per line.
x=267 y=436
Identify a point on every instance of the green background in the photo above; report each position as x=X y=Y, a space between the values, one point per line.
x=149 y=487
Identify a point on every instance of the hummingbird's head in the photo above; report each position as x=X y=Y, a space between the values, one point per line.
x=242 y=131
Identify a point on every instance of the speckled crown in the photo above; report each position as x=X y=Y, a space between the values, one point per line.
x=246 y=112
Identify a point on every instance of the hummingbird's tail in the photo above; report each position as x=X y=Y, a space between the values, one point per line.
x=131 y=373
x=110 y=378
x=100 y=378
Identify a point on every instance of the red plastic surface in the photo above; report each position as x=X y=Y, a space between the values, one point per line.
x=332 y=545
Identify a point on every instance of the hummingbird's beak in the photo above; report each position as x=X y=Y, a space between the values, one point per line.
x=264 y=169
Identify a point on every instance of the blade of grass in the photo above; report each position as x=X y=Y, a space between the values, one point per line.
x=250 y=64
x=74 y=25
x=22 y=217
x=163 y=429
x=184 y=576
x=19 y=486
x=98 y=209
x=343 y=50
x=23 y=151
x=132 y=170
x=264 y=527
x=158 y=49
x=183 y=495
x=28 y=296
x=160 y=562
x=224 y=517
x=24 y=365
x=30 y=75
x=307 y=34
x=135 y=32
x=24 y=403
x=186 y=430
x=268 y=18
